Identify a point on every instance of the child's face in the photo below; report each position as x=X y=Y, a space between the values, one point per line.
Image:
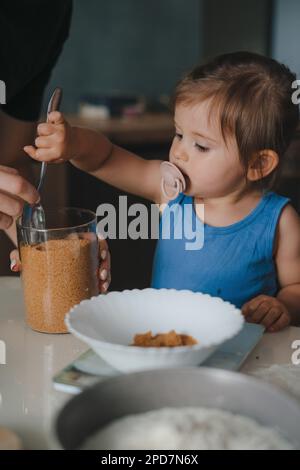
x=211 y=166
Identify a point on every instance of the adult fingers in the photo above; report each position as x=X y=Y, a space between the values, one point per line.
x=9 y=169
x=5 y=221
x=15 y=263
x=18 y=186
x=105 y=265
x=105 y=274
x=10 y=205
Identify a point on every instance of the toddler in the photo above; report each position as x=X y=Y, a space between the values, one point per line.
x=234 y=119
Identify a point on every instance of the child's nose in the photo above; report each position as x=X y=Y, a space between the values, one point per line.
x=181 y=154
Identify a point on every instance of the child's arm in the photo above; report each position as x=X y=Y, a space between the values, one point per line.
x=92 y=152
x=287 y=258
x=278 y=312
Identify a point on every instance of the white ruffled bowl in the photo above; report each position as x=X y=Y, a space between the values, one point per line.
x=108 y=323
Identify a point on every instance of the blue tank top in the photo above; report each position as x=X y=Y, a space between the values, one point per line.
x=235 y=263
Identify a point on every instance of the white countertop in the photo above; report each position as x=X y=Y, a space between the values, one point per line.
x=28 y=400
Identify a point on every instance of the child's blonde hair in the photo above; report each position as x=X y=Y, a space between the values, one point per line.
x=253 y=97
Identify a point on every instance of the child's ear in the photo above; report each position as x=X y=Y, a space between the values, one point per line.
x=263 y=163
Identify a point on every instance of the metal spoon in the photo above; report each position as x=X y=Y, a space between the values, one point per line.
x=34 y=215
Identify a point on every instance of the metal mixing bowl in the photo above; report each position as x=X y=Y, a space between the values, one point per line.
x=148 y=390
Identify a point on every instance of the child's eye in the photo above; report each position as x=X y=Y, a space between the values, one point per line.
x=201 y=148
x=178 y=136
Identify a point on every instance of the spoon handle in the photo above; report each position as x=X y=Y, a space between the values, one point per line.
x=54 y=101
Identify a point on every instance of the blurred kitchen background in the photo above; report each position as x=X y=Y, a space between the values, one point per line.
x=118 y=69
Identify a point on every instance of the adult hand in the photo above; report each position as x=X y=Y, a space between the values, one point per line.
x=14 y=192
x=105 y=266
x=104 y=274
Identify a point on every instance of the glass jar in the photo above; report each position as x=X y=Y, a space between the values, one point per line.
x=59 y=266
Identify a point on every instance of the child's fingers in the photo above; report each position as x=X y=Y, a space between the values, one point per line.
x=258 y=317
x=282 y=322
x=43 y=142
x=15 y=263
x=31 y=151
x=55 y=117
x=271 y=317
x=250 y=307
x=45 y=129
x=42 y=154
x=245 y=309
x=255 y=303
x=261 y=311
x=47 y=154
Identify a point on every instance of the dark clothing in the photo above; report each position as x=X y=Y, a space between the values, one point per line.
x=32 y=34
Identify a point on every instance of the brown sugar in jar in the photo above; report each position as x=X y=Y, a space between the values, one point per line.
x=56 y=275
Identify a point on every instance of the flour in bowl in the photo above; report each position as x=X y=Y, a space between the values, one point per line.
x=186 y=428
x=285 y=376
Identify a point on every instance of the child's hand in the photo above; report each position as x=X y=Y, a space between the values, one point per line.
x=104 y=268
x=55 y=141
x=268 y=311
